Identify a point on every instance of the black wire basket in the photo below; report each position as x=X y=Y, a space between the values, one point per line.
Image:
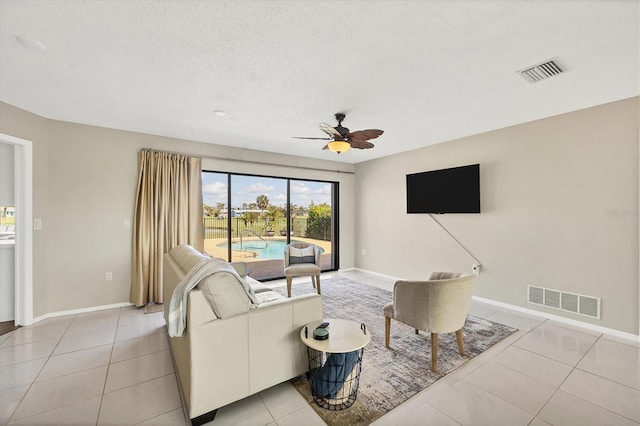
x=334 y=377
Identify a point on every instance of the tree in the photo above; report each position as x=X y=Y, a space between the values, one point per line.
x=210 y=211
x=272 y=214
x=262 y=201
x=249 y=217
x=319 y=222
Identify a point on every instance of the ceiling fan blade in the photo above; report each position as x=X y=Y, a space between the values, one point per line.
x=330 y=131
x=321 y=139
x=360 y=144
x=366 y=134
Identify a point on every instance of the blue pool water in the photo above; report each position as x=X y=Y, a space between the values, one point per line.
x=266 y=250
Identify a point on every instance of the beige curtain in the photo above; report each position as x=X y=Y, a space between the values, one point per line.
x=168 y=212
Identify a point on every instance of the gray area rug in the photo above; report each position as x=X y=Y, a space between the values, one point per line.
x=391 y=376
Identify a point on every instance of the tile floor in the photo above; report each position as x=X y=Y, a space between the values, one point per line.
x=113 y=367
x=7 y=326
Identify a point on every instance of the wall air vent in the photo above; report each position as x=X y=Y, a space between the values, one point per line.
x=564 y=301
x=541 y=71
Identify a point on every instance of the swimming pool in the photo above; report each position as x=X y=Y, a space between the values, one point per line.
x=265 y=250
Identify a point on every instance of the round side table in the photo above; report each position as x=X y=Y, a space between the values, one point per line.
x=335 y=363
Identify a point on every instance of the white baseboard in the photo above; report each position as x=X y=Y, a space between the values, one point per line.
x=80 y=311
x=545 y=315
x=557 y=318
x=379 y=274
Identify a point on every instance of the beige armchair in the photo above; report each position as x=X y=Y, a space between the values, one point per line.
x=302 y=259
x=439 y=305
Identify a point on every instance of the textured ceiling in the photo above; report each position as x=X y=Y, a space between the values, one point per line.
x=424 y=71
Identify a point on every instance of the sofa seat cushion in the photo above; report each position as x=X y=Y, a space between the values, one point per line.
x=257 y=286
x=269 y=296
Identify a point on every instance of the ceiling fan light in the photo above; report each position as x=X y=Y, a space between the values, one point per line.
x=339 y=146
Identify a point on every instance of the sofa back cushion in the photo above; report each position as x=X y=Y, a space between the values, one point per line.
x=226 y=295
x=186 y=256
x=225 y=291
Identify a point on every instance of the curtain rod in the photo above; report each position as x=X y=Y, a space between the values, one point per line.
x=262 y=163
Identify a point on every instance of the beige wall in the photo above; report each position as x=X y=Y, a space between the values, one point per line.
x=84 y=189
x=547 y=188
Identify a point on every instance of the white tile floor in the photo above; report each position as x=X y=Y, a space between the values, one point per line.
x=114 y=367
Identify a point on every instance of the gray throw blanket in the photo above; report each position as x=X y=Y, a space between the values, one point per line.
x=178 y=303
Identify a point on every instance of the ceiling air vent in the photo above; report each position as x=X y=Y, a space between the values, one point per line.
x=542 y=71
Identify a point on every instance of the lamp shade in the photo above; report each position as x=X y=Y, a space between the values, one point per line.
x=339 y=146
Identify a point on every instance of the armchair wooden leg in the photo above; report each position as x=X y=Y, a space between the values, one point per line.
x=387 y=330
x=417 y=331
x=460 y=342
x=313 y=281
x=289 y=279
x=318 y=283
x=434 y=352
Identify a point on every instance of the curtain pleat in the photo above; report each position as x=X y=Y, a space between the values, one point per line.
x=168 y=212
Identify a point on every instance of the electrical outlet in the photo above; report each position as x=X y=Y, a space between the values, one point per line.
x=127 y=223
x=108 y=276
x=475 y=268
x=37 y=224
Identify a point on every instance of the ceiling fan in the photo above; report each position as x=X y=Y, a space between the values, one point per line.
x=342 y=139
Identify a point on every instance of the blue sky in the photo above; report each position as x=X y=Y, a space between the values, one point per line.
x=247 y=188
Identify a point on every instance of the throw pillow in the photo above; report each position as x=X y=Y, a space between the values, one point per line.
x=304 y=255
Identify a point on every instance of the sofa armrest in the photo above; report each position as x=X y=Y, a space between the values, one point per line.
x=294 y=299
x=240 y=267
x=219 y=356
x=199 y=310
x=171 y=277
x=276 y=352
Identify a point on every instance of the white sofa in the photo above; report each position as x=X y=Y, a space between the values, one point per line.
x=251 y=347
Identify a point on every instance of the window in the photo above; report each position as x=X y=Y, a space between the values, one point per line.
x=251 y=218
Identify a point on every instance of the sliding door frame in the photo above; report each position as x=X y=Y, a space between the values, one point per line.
x=335 y=213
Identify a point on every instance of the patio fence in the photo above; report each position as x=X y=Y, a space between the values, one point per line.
x=216 y=227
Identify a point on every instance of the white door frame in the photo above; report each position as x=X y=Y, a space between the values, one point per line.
x=23 y=160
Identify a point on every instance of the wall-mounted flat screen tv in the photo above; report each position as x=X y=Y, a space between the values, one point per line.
x=455 y=190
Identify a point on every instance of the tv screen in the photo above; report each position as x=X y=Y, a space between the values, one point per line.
x=455 y=190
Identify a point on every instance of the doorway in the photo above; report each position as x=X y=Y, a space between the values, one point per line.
x=23 y=247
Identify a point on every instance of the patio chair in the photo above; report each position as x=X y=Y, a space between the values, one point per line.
x=302 y=259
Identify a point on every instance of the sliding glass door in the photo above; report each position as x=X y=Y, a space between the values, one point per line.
x=252 y=218
x=312 y=215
